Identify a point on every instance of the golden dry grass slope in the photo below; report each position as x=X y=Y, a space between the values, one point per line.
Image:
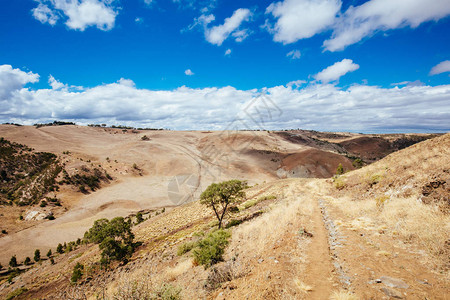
x=379 y=232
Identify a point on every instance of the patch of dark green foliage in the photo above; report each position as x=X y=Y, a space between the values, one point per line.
x=114 y=237
x=209 y=250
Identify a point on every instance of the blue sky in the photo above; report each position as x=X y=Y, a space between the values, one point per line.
x=196 y=64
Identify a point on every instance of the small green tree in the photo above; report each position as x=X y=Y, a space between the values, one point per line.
x=340 y=170
x=27 y=261
x=114 y=237
x=139 y=218
x=209 y=250
x=37 y=255
x=77 y=272
x=219 y=196
x=59 y=248
x=13 y=261
x=49 y=253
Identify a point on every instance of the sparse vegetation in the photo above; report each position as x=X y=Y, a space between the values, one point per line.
x=114 y=237
x=219 y=196
x=13 y=262
x=77 y=273
x=339 y=182
x=139 y=218
x=340 y=170
x=185 y=248
x=27 y=176
x=381 y=200
x=37 y=255
x=16 y=293
x=209 y=250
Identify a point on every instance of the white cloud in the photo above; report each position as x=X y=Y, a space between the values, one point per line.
x=382 y=15
x=13 y=80
x=44 y=14
x=139 y=20
x=55 y=84
x=301 y=19
x=336 y=71
x=441 y=67
x=218 y=34
x=227 y=52
x=294 y=54
x=188 y=72
x=148 y=2
x=80 y=13
x=358 y=108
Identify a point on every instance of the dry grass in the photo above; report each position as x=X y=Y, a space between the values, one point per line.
x=387 y=195
x=180 y=268
x=343 y=295
x=264 y=231
x=304 y=288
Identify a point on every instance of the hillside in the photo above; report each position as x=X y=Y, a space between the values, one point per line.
x=379 y=231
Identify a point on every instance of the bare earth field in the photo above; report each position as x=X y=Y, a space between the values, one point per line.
x=378 y=232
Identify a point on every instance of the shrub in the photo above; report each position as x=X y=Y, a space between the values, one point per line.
x=373 y=179
x=114 y=237
x=219 y=275
x=52 y=261
x=49 y=253
x=37 y=255
x=209 y=250
x=139 y=218
x=16 y=293
x=4 y=231
x=185 y=248
x=340 y=170
x=27 y=261
x=145 y=138
x=59 y=248
x=339 y=182
x=77 y=272
x=13 y=261
x=381 y=200
x=168 y=292
x=233 y=222
x=43 y=203
x=358 y=163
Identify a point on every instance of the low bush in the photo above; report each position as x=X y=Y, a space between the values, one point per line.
x=339 y=182
x=16 y=293
x=209 y=250
x=77 y=272
x=381 y=200
x=185 y=248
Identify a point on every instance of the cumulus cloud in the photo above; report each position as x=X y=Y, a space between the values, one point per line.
x=228 y=52
x=382 y=15
x=441 y=67
x=301 y=19
x=294 y=54
x=13 y=80
x=218 y=34
x=80 y=14
x=55 y=84
x=44 y=14
x=311 y=105
x=336 y=71
x=188 y=72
